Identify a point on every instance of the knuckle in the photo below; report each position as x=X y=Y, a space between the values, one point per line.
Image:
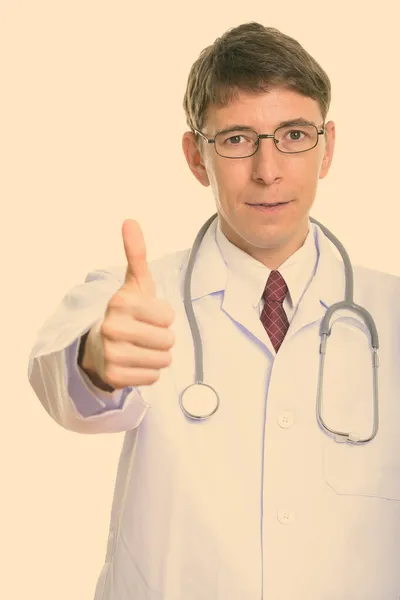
x=115 y=300
x=112 y=329
x=121 y=300
x=120 y=327
x=110 y=356
x=106 y=328
x=102 y=330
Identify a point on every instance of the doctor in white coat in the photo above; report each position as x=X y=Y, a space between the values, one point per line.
x=259 y=501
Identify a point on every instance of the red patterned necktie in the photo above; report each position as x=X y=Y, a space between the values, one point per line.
x=273 y=315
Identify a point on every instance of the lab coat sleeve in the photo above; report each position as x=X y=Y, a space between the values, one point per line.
x=88 y=398
x=62 y=387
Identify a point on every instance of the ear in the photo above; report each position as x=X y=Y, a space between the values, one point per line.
x=330 y=135
x=194 y=158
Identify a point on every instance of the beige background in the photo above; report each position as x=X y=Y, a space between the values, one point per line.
x=87 y=91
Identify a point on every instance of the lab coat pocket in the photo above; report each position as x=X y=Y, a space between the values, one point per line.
x=371 y=469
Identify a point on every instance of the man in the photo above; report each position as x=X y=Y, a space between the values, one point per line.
x=259 y=500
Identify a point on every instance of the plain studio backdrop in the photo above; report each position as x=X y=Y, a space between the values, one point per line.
x=91 y=121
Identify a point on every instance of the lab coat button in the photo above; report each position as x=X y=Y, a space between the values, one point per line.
x=285 y=516
x=285 y=419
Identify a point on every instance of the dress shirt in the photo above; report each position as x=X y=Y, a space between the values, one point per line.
x=297 y=270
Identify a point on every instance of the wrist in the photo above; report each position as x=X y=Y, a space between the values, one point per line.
x=89 y=348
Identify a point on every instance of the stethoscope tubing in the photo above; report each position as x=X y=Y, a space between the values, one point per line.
x=325 y=332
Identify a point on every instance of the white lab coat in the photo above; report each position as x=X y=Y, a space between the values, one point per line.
x=201 y=507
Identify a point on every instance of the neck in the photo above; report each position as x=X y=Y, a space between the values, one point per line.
x=273 y=258
x=274 y=255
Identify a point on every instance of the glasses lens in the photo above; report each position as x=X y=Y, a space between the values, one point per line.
x=236 y=143
x=296 y=138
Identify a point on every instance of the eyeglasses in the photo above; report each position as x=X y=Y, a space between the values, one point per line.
x=242 y=143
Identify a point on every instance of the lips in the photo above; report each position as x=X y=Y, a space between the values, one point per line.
x=268 y=204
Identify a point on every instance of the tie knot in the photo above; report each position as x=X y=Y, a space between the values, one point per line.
x=276 y=288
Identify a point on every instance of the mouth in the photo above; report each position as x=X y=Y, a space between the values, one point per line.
x=270 y=206
x=267 y=204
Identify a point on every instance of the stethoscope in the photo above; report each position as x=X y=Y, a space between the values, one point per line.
x=199 y=401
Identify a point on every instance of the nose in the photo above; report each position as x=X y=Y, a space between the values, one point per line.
x=267 y=162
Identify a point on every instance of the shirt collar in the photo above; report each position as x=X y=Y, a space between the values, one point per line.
x=210 y=271
x=297 y=270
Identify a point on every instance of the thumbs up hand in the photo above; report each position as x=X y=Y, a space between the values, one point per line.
x=132 y=343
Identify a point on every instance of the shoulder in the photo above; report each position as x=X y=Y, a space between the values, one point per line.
x=166 y=266
x=375 y=277
x=379 y=287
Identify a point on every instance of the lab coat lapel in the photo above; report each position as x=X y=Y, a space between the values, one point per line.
x=210 y=275
x=238 y=305
x=326 y=287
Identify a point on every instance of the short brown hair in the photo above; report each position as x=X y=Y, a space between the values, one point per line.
x=251 y=57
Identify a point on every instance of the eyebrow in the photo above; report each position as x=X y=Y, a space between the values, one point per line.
x=296 y=121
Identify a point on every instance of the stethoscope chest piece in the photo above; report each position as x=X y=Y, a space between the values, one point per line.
x=199 y=401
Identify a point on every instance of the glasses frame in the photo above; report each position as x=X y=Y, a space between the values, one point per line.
x=261 y=136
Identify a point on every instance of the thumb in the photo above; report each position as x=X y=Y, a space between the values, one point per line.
x=138 y=273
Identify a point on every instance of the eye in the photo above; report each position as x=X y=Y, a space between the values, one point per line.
x=297 y=134
x=234 y=137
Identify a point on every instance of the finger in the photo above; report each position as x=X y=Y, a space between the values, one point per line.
x=129 y=355
x=121 y=377
x=154 y=311
x=137 y=273
x=138 y=333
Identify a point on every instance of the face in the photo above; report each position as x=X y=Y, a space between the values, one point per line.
x=269 y=176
